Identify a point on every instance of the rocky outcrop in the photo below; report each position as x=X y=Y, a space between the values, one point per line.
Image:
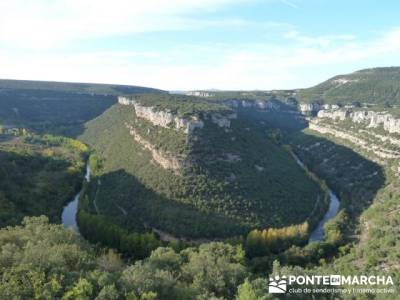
x=307 y=108
x=125 y=100
x=162 y=118
x=223 y=120
x=372 y=119
x=334 y=114
x=167 y=119
x=203 y=94
x=258 y=104
x=377 y=149
x=165 y=160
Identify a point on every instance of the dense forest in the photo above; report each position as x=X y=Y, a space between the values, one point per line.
x=39 y=260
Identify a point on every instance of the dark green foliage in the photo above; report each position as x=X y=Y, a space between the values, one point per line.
x=179 y=104
x=212 y=270
x=253 y=290
x=43 y=261
x=97 y=228
x=283 y=95
x=376 y=86
x=38 y=175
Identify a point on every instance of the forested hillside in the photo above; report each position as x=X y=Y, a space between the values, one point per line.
x=380 y=86
x=221 y=179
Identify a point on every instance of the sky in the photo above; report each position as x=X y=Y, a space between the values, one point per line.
x=202 y=44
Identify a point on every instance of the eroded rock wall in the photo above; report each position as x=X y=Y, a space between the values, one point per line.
x=372 y=119
x=165 y=160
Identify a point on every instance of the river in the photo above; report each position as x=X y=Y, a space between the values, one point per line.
x=318 y=233
x=68 y=216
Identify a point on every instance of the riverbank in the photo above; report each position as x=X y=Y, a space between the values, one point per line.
x=70 y=211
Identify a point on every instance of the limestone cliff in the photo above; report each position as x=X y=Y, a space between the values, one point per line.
x=167 y=119
x=372 y=119
x=162 y=118
x=364 y=142
x=165 y=160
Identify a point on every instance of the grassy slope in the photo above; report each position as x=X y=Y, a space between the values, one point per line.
x=214 y=206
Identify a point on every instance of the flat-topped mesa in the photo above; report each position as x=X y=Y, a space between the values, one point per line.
x=372 y=119
x=167 y=119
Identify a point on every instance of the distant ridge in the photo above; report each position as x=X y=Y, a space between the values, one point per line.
x=375 y=86
x=75 y=87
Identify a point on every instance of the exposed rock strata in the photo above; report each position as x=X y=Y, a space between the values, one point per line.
x=372 y=119
x=167 y=119
x=165 y=160
x=309 y=107
x=162 y=118
x=364 y=144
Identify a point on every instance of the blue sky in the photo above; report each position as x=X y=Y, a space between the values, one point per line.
x=203 y=44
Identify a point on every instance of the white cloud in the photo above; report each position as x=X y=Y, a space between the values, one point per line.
x=289 y=63
x=45 y=24
x=255 y=66
x=290 y=3
x=320 y=41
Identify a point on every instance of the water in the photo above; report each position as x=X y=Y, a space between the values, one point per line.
x=68 y=216
x=318 y=233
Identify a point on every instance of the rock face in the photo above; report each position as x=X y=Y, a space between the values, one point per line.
x=366 y=144
x=258 y=104
x=167 y=119
x=309 y=107
x=125 y=101
x=223 y=121
x=334 y=114
x=165 y=160
x=203 y=94
x=162 y=118
x=371 y=119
